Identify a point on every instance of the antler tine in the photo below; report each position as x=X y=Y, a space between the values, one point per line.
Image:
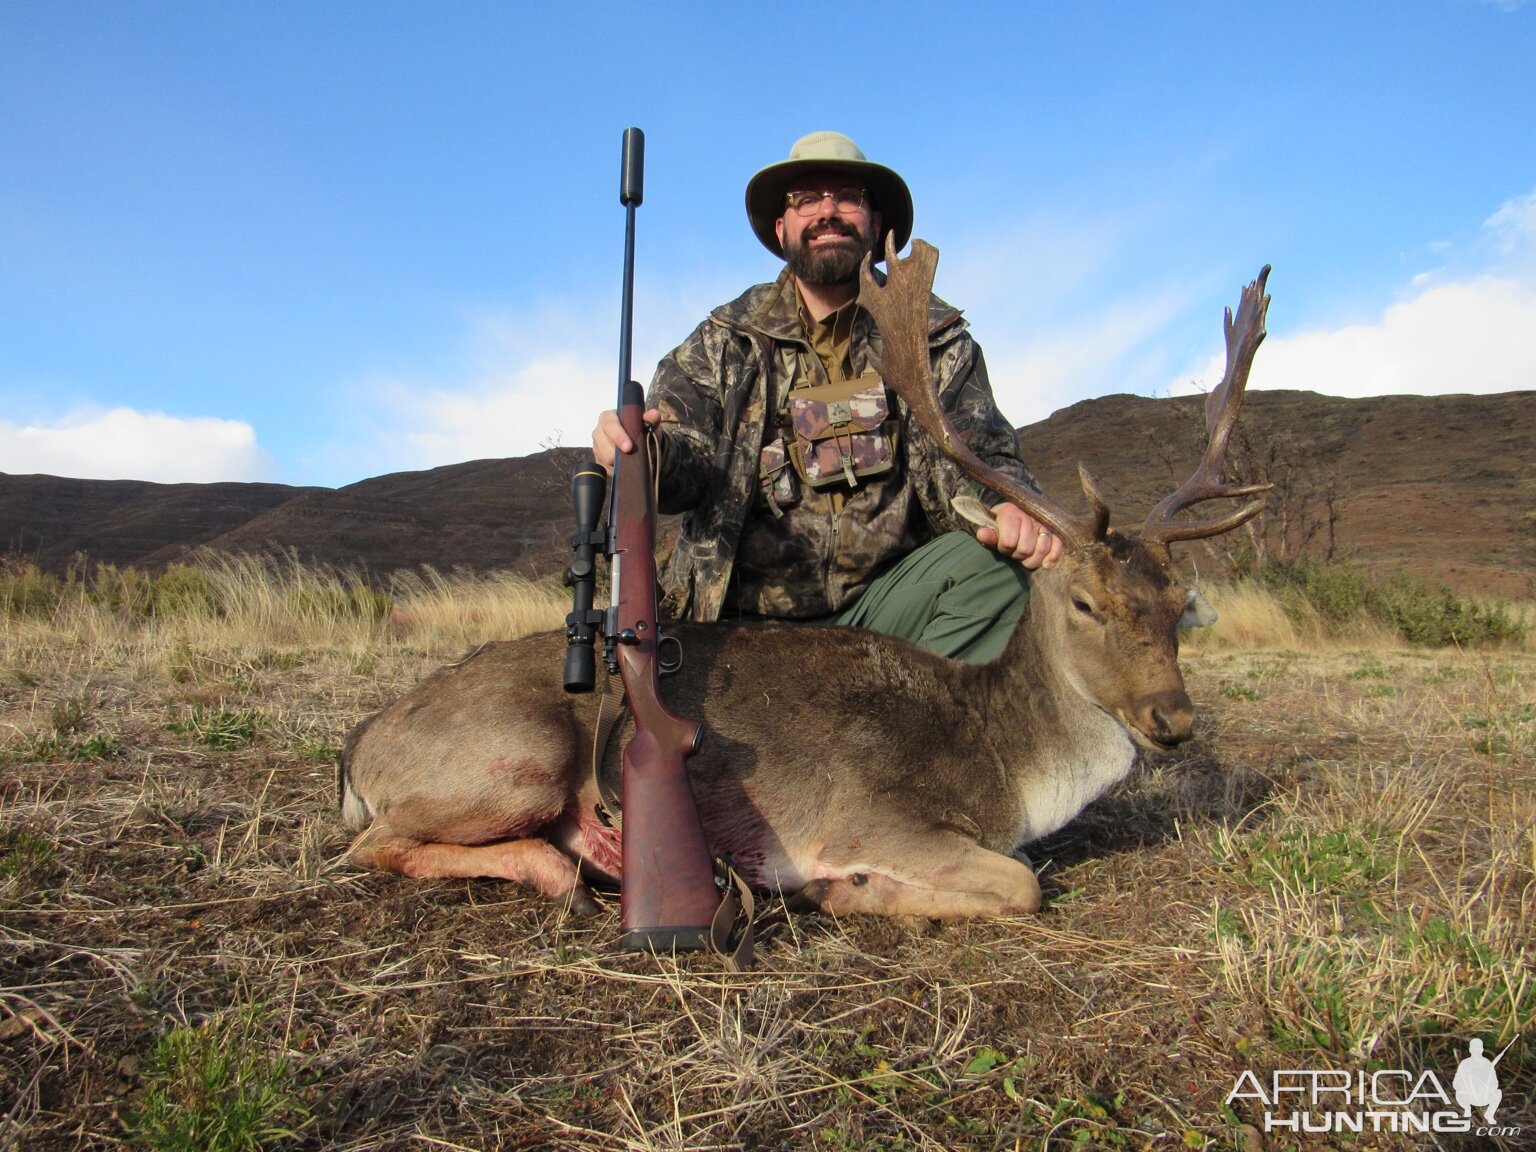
x=900 y=310
x=1222 y=407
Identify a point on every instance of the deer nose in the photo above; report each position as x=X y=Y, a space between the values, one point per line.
x=1166 y=717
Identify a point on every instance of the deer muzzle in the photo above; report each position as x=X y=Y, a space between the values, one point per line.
x=1165 y=718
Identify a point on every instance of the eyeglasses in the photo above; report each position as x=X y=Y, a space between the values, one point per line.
x=845 y=200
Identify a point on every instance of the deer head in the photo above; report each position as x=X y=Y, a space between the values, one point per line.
x=1113 y=606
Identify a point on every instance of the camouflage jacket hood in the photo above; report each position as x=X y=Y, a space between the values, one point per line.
x=713 y=392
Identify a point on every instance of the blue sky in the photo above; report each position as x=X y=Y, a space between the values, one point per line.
x=317 y=242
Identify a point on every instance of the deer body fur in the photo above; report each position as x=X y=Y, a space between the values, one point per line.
x=849 y=766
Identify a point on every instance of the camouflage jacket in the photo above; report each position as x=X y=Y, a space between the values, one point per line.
x=715 y=391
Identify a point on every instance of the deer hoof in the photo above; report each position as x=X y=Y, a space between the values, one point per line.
x=579 y=900
x=809 y=898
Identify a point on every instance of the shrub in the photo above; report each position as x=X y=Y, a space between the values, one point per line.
x=126 y=590
x=337 y=602
x=26 y=590
x=185 y=590
x=1418 y=610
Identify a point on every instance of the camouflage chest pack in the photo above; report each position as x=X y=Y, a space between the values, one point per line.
x=833 y=435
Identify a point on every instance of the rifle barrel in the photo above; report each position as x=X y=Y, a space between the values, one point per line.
x=631 y=193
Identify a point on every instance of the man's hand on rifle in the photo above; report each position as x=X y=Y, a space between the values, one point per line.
x=609 y=436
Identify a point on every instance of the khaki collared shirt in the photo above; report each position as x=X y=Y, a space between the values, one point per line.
x=831 y=338
x=820 y=555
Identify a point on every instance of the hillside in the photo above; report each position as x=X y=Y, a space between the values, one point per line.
x=1442 y=485
x=51 y=519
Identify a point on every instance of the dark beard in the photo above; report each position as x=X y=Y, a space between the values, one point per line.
x=837 y=266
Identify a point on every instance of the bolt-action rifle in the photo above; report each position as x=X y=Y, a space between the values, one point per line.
x=669 y=899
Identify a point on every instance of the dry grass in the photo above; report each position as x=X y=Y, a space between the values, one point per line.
x=1253 y=617
x=1340 y=872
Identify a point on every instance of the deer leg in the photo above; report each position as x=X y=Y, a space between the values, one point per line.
x=533 y=863
x=954 y=878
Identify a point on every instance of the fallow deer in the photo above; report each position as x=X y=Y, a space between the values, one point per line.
x=849 y=767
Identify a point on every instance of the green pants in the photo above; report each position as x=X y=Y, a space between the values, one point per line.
x=953 y=596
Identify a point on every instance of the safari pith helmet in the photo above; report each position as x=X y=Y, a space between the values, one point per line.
x=822 y=152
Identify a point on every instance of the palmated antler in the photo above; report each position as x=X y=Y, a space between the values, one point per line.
x=900 y=310
x=1244 y=335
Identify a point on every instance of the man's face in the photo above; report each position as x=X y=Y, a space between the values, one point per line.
x=827 y=245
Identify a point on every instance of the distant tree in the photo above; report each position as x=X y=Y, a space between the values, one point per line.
x=1301 y=514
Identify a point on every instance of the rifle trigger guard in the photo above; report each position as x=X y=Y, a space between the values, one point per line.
x=664 y=665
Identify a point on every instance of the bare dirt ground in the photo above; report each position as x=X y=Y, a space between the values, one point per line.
x=1339 y=873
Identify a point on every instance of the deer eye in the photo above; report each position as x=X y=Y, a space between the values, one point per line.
x=1082 y=605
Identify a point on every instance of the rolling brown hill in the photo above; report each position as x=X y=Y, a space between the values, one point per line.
x=52 y=519
x=482 y=515
x=1443 y=485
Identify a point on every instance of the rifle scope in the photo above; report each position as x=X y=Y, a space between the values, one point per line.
x=589 y=483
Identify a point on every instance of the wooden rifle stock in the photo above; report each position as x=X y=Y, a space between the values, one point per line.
x=668 y=897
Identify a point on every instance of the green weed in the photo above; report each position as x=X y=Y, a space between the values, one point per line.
x=216 y=1087
x=47 y=746
x=1087 y=1121
x=1340 y=862
x=1370 y=670
x=219 y=727
x=30 y=868
x=98 y=747
x=23 y=851
x=69 y=715
x=316 y=748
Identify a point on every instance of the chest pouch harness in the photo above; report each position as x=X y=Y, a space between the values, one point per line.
x=836 y=435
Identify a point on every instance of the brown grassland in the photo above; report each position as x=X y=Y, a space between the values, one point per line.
x=1339 y=872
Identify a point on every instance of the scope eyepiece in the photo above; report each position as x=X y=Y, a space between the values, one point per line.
x=580 y=667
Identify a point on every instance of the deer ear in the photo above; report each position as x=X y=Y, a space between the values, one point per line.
x=1198 y=612
x=972 y=509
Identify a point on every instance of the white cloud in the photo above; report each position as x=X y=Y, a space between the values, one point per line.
x=1472 y=331
x=1514 y=226
x=529 y=378
x=511 y=410
x=1091 y=355
x=1061 y=309
x=125 y=444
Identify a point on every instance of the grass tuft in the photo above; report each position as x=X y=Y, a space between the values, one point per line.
x=219 y=727
x=215 y=1086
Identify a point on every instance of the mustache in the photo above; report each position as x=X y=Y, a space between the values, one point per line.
x=839 y=227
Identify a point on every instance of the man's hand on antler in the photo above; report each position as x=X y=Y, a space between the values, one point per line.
x=1019 y=535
